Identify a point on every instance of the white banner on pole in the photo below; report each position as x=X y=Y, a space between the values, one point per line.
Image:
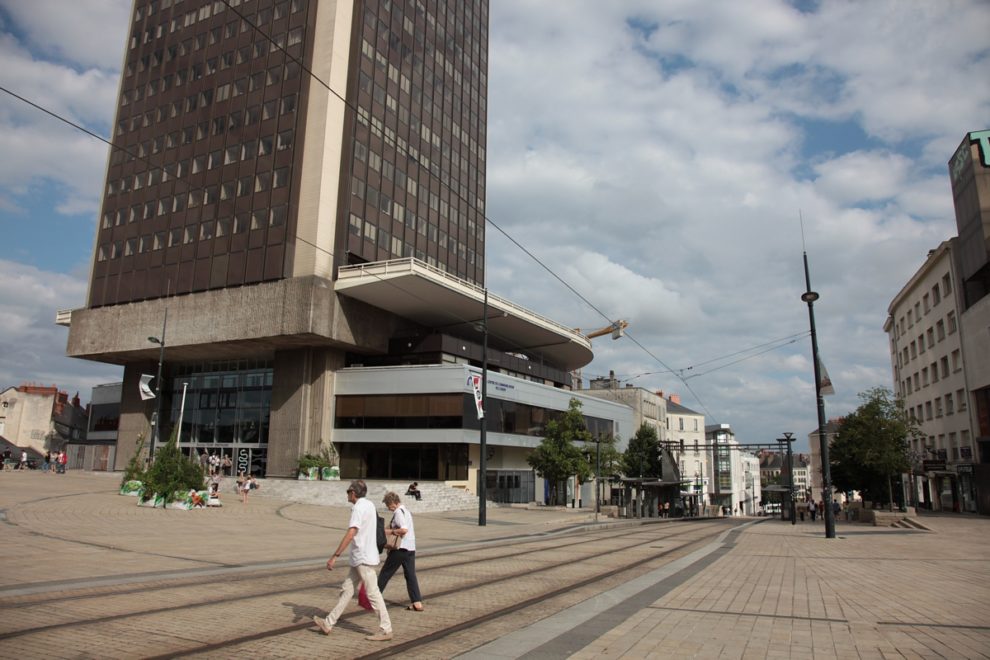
x=145 y=387
x=825 y=386
x=475 y=381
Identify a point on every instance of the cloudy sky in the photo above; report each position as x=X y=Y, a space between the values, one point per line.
x=655 y=155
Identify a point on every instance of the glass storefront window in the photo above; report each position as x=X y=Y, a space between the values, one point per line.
x=226 y=404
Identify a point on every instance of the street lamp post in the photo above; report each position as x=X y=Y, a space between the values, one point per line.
x=156 y=430
x=598 y=476
x=483 y=479
x=791 y=507
x=810 y=297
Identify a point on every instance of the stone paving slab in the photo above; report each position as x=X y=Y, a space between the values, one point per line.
x=59 y=528
x=776 y=590
x=769 y=590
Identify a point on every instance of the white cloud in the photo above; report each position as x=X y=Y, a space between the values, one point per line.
x=69 y=31
x=654 y=156
x=668 y=167
x=862 y=177
x=33 y=349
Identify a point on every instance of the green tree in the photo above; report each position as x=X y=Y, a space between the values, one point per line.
x=871 y=445
x=604 y=454
x=558 y=457
x=642 y=455
x=604 y=459
x=172 y=472
x=134 y=471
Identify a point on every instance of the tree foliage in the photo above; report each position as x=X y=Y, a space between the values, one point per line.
x=871 y=445
x=642 y=455
x=605 y=455
x=172 y=472
x=134 y=471
x=558 y=457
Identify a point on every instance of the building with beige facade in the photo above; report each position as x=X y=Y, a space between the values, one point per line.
x=927 y=359
x=685 y=433
x=938 y=327
x=41 y=417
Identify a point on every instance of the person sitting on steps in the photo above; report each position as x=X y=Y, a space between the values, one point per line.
x=413 y=491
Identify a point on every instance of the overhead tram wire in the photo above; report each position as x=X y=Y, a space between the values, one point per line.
x=722 y=357
x=398 y=149
x=463 y=199
x=191 y=188
x=743 y=359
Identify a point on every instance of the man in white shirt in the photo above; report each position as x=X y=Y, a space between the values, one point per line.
x=361 y=536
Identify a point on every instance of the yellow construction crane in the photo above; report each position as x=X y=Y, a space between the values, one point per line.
x=615 y=329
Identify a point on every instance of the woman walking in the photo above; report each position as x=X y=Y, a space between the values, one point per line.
x=402 y=552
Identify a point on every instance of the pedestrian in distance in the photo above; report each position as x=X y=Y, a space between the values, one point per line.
x=48 y=461
x=243 y=486
x=362 y=538
x=812 y=509
x=63 y=461
x=413 y=491
x=401 y=539
x=24 y=460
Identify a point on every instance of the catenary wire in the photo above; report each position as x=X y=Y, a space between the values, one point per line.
x=677 y=373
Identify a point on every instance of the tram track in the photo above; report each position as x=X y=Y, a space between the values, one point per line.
x=590 y=539
x=244 y=573
x=681 y=548
x=460 y=590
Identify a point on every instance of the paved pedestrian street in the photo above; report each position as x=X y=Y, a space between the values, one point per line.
x=88 y=574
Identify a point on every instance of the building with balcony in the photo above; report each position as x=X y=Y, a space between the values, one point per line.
x=295 y=198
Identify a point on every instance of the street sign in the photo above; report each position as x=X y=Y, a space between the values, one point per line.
x=933 y=466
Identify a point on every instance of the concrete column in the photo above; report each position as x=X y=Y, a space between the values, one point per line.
x=135 y=414
x=302 y=405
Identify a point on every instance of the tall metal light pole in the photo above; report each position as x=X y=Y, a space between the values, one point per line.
x=598 y=477
x=156 y=430
x=810 y=297
x=483 y=478
x=791 y=506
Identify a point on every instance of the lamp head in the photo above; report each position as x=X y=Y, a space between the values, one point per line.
x=154 y=340
x=809 y=296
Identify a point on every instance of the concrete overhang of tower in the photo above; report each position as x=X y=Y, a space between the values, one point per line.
x=417 y=291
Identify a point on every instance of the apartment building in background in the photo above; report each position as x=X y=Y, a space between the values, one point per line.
x=41 y=417
x=685 y=434
x=295 y=209
x=938 y=327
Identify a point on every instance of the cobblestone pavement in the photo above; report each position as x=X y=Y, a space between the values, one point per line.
x=775 y=590
x=765 y=589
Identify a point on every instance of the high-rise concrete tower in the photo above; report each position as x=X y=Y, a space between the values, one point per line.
x=259 y=146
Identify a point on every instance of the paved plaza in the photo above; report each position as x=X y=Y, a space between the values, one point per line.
x=760 y=588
